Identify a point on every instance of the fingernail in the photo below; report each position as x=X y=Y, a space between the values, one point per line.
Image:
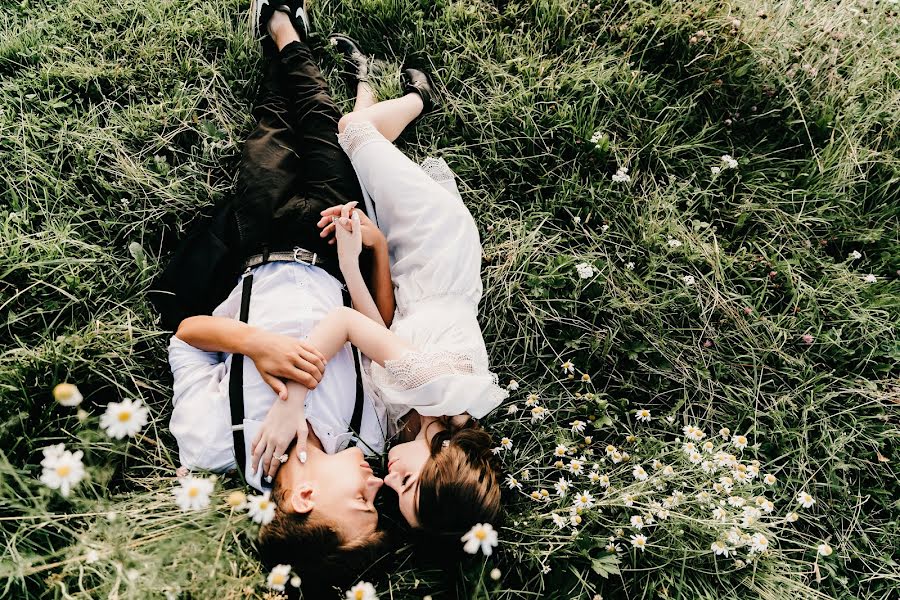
x=303 y=457
x=268 y=479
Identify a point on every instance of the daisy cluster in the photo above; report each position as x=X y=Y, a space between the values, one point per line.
x=640 y=487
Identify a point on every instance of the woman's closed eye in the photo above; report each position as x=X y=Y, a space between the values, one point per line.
x=405 y=480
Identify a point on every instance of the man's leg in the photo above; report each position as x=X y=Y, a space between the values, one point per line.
x=270 y=170
x=328 y=177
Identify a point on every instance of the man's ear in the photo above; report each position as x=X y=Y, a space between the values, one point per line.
x=301 y=498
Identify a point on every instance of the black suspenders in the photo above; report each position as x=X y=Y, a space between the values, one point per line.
x=236 y=383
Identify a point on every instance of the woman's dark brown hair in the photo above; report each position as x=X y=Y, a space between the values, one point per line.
x=459 y=484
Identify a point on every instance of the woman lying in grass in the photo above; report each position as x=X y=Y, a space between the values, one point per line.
x=431 y=368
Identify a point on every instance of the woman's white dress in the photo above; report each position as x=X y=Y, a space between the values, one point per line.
x=435 y=254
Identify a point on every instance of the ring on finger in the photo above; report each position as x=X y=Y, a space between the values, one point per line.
x=283 y=458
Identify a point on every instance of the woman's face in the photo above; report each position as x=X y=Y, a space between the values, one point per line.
x=405 y=462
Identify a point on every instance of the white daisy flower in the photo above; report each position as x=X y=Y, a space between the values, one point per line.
x=125 y=418
x=513 y=385
x=639 y=473
x=758 y=543
x=576 y=219
x=532 y=400
x=560 y=450
x=585 y=270
x=673 y=243
x=736 y=501
x=767 y=506
x=791 y=517
x=629 y=500
x=769 y=479
x=870 y=278
x=261 y=508
x=481 y=537
x=629 y=265
x=708 y=447
x=506 y=443
x=578 y=426
x=538 y=413
x=720 y=549
x=824 y=549
x=689 y=280
x=583 y=500
x=193 y=493
x=720 y=514
x=695 y=458
x=604 y=481
x=559 y=521
x=67 y=394
x=513 y=483
x=805 y=500
x=593 y=476
x=576 y=467
x=855 y=255
x=613 y=547
x=639 y=541
x=725 y=433
x=670 y=418
x=279 y=577
x=513 y=409
x=715 y=170
x=63 y=470
x=362 y=591
x=637 y=521
x=496 y=574
x=562 y=486
x=668 y=471
x=642 y=415
x=739 y=441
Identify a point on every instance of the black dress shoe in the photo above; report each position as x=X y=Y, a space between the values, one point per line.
x=355 y=64
x=296 y=10
x=414 y=81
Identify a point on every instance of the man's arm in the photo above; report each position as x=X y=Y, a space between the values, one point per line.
x=381 y=284
x=276 y=356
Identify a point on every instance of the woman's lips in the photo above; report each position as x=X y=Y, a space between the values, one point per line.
x=390 y=464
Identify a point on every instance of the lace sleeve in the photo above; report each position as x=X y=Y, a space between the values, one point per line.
x=415 y=369
x=356 y=135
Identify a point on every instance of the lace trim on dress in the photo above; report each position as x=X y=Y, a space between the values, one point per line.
x=415 y=369
x=437 y=169
x=356 y=135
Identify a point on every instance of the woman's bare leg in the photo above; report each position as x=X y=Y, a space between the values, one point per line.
x=390 y=117
x=365 y=96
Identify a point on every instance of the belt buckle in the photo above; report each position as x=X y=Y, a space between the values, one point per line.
x=297 y=250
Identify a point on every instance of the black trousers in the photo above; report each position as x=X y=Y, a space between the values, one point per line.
x=292 y=167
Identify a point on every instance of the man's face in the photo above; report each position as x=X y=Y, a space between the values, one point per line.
x=339 y=488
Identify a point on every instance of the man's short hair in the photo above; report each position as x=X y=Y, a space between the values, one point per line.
x=315 y=548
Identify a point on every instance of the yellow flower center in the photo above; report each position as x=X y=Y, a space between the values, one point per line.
x=480 y=534
x=63 y=470
x=193 y=492
x=279 y=579
x=124 y=416
x=358 y=595
x=264 y=504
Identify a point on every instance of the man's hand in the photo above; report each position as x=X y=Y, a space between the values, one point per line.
x=284 y=421
x=279 y=357
x=371 y=235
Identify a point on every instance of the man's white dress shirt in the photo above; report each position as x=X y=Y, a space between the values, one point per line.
x=290 y=299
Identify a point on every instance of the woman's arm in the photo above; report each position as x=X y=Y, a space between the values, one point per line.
x=345 y=324
x=379 y=303
x=276 y=356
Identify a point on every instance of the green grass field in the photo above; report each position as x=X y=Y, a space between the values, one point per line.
x=736 y=299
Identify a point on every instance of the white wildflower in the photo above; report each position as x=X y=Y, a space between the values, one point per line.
x=481 y=537
x=193 y=493
x=67 y=394
x=63 y=470
x=125 y=418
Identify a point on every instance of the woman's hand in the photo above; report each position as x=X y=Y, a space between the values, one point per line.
x=279 y=357
x=371 y=235
x=284 y=422
x=348 y=233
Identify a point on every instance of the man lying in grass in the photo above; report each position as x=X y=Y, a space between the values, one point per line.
x=292 y=167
